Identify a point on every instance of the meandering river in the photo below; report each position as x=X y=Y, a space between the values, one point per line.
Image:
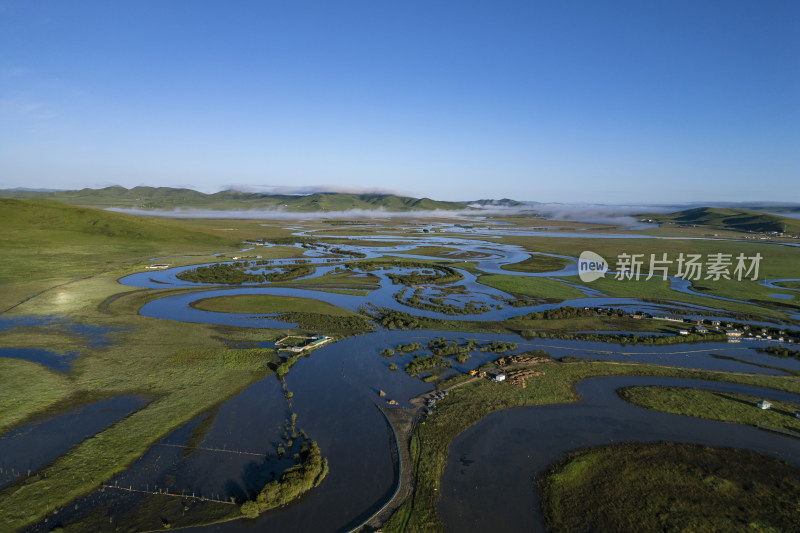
x=488 y=481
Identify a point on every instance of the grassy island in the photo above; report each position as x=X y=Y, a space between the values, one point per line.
x=669 y=486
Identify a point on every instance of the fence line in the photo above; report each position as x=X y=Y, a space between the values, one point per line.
x=172 y=494
x=211 y=449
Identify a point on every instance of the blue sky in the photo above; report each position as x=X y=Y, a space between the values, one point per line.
x=572 y=101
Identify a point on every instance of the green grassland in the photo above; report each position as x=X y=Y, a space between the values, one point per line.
x=443 y=252
x=539 y=263
x=673 y=230
x=347 y=280
x=49 y=337
x=537 y=222
x=467 y=405
x=48 y=246
x=777 y=261
x=533 y=287
x=42 y=240
x=728 y=407
x=271 y=252
x=669 y=486
x=51 y=249
x=659 y=289
x=348 y=292
x=268 y=303
x=27 y=389
x=744 y=290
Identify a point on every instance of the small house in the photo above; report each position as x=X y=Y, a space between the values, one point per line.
x=764 y=404
x=733 y=333
x=499 y=377
x=318 y=342
x=700 y=329
x=683 y=332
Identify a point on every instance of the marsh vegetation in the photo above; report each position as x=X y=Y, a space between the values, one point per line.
x=670 y=487
x=185 y=369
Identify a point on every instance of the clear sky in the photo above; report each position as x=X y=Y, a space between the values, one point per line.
x=548 y=100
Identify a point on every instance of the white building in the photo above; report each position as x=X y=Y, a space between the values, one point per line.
x=764 y=404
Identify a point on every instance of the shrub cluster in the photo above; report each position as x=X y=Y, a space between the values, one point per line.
x=780 y=351
x=295 y=481
x=421 y=364
x=321 y=322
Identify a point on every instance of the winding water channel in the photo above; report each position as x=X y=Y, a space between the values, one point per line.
x=487 y=484
x=489 y=481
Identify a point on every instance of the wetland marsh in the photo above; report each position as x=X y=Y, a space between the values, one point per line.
x=226 y=412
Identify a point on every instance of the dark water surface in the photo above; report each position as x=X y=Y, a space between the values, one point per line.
x=336 y=402
x=48 y=358
x=31 y=446
x=489 y=481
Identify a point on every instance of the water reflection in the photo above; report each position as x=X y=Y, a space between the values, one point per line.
x=488 y=483
x=29 y=447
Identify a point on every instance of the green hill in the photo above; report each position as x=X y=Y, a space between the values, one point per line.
x=114 y=196
x=45 y=239
x=732 y=219
x=344 y=202
x=23 y=219
x=170 y=198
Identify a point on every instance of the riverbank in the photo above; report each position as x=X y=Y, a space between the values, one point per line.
x=469 y=404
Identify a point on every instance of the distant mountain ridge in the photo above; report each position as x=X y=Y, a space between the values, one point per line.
x=504 y=202
x=738 y=219
x=173 y=198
